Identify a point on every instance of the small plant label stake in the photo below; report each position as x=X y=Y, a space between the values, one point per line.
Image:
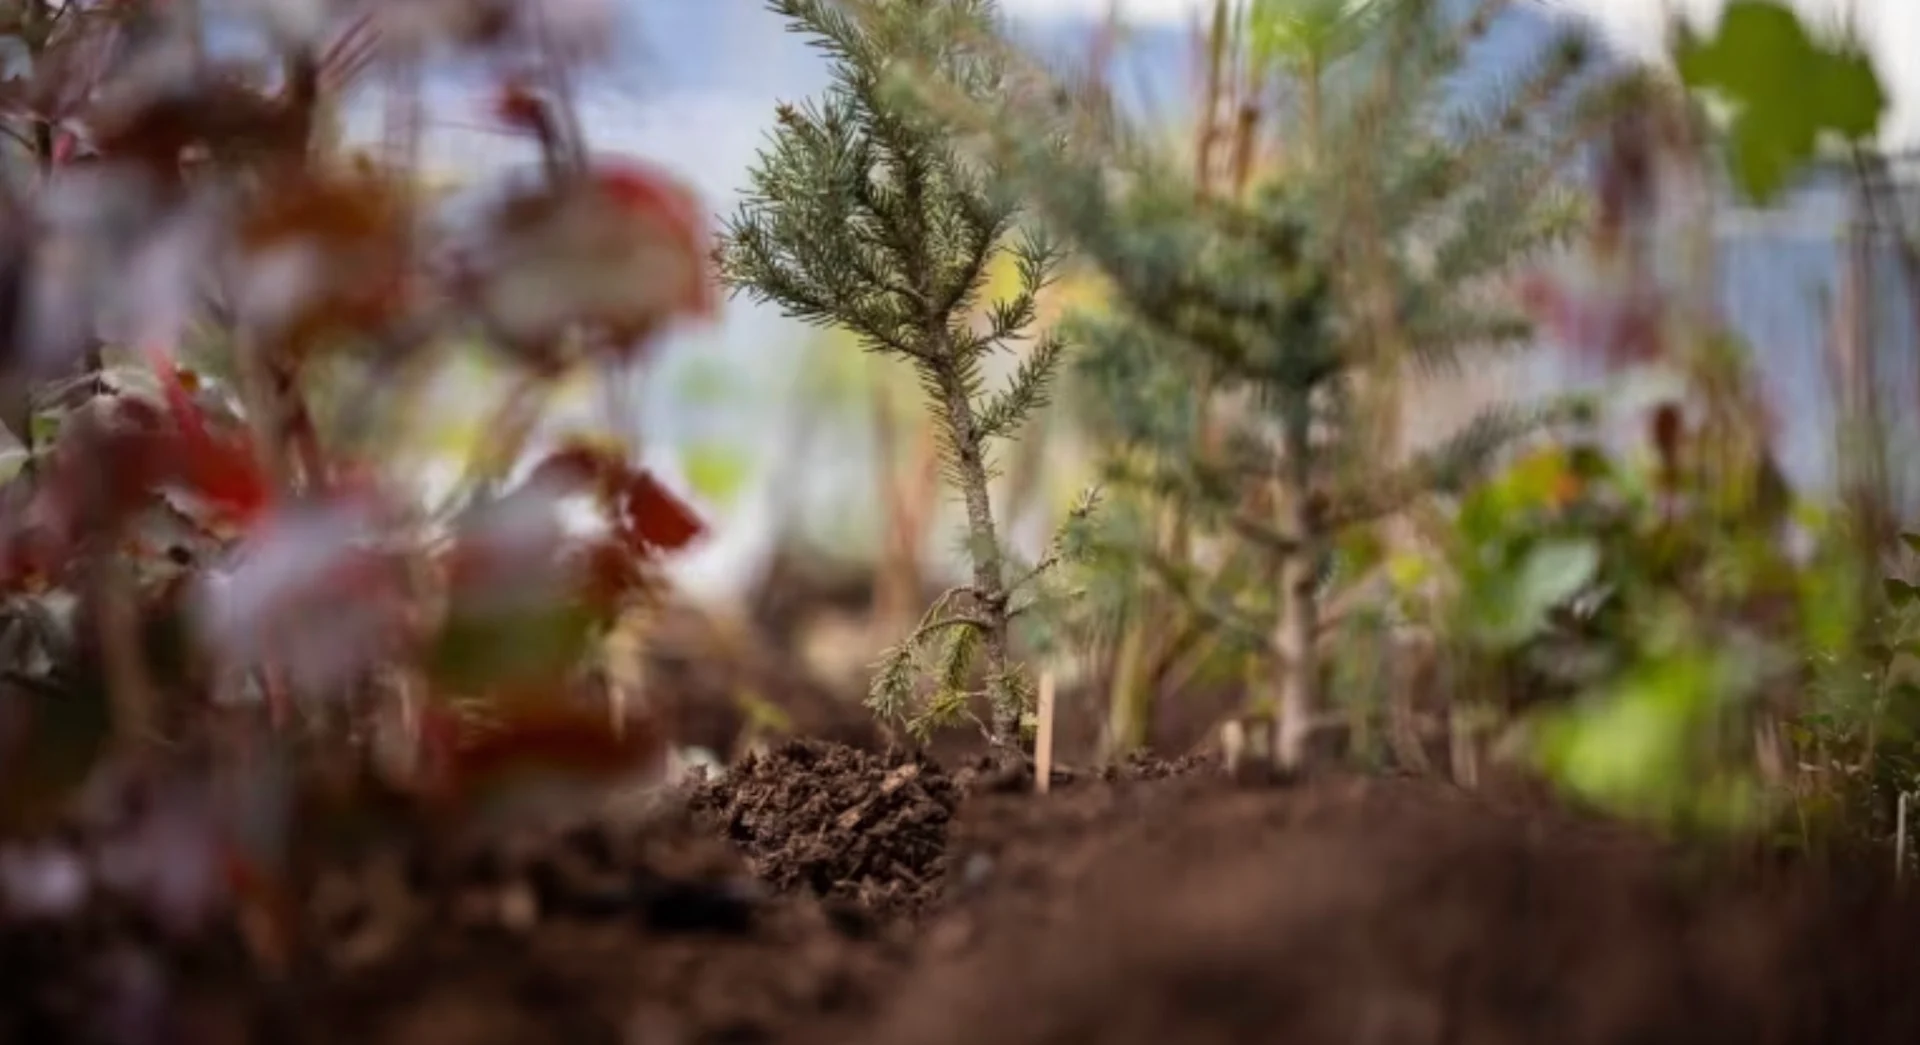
x=1043 y=737
x=1900 y=837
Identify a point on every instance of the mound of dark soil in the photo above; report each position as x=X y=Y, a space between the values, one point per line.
x=1383 y=912
x=843 y=824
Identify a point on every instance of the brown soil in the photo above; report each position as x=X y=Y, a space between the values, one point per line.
x=1158 y=903
x=843 y=824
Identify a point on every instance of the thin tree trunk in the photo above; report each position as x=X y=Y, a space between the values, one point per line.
x=989 y=576
x=1129 y=701
x=1299 y=624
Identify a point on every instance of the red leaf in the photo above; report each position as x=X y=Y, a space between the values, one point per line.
x=655 y=516
x=623 y=253
x=536 y=742
x=222 y=470
x=648 y=191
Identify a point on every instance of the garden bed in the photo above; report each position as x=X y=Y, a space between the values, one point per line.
x=822 y=894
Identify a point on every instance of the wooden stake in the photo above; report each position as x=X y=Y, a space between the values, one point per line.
x=1043 y=737
x=1900 y=838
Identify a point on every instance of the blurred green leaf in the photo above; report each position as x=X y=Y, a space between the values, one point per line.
x=1626 y=747
x=1901 y=593
x=1310 y=34
x=1912 y=541
x=1780 y=115
x=12 y=461
x=46 y=427
x=1555 y=572
x=477 y=651
x=717 y=471
x=1513 y=608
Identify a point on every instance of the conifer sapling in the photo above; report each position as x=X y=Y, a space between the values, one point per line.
x=864 y=215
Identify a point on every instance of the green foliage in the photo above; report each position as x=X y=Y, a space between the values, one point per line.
x=1634 y=746
x=863 y=215
x=1787 y=90
x=1644 y=619
x=1288 y=309
x=1864 y=712
x=1312 y=31
x=1508 y=607
x=717 y=471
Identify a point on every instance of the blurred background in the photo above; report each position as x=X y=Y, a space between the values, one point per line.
x=773 y=427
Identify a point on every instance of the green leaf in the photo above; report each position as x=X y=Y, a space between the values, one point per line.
x=1310 y=34
x=1912 y=541
x=476 y=651
x=1627 y=747
x=46 y=427
x=1513 y=608
x=1901 y=593
x=12 y=462
x=716 y=471
x=1779 y=118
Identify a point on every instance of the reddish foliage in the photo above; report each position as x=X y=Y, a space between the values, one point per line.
x=646 y=516
x=537 y=738
x=1619 y=329
x=619 y=255
x=121 y=458
x=652 y=195
x=257 y=559
x=350 y=230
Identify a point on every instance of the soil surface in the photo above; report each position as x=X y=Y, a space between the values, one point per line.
x=842 y=824
x=821 y=894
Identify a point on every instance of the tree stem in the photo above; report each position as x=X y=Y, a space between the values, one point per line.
x=989 y=572
x=1299 y=623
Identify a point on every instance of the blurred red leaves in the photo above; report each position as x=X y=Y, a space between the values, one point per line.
x=1618 y=328
x=525 y=594
x=325 y=254
x=646 y=518
x=116 y=458
x=548 y=743
x=208 y=217
x=618 y=255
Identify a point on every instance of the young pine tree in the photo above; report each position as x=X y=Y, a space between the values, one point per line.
x=864 y=215
x=1374 y=251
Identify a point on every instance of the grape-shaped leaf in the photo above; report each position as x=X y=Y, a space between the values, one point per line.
x=1786 y=90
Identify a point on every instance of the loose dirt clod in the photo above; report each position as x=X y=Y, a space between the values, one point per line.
x=843 y=824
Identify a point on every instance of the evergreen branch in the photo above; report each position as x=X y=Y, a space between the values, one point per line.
x=890 y=691
x=1068 y=543
x=957 y=659
x=1441 y=337
x=1028 y=391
